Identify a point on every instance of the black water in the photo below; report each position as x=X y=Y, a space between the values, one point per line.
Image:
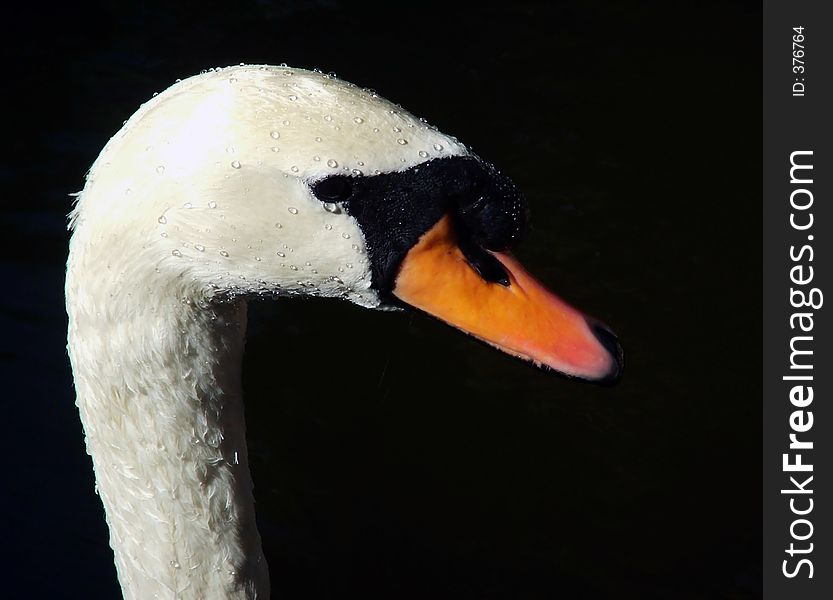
x=397 y=458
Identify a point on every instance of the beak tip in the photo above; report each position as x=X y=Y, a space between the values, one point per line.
x=610 y=343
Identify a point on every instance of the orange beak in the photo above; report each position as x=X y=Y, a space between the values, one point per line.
x=523 y=319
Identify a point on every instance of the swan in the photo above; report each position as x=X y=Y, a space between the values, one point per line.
x=254 y=181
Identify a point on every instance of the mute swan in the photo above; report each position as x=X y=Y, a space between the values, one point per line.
x=250 y=181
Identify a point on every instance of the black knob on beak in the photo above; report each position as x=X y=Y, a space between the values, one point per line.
x=611 y=343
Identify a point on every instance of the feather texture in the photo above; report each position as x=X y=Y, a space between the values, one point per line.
x=200 y=201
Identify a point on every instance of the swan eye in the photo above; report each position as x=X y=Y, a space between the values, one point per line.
x=333 y=189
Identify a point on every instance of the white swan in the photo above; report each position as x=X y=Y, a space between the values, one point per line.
x=258 y=180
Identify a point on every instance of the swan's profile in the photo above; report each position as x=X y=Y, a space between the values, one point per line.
x=250 y=181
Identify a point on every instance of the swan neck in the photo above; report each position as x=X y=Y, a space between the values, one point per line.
x=159 y=394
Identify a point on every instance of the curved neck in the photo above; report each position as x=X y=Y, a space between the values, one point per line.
x=159 y=393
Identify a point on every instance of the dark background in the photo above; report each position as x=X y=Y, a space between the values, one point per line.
x=394 y=457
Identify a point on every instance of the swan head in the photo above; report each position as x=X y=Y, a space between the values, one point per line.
x=258 y=180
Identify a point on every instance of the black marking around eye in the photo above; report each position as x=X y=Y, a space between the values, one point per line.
x=337 y=188
x=395 y=209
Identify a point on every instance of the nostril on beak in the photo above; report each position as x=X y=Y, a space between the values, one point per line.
x=611 y=343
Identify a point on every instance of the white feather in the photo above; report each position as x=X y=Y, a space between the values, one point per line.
x=200 y=201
